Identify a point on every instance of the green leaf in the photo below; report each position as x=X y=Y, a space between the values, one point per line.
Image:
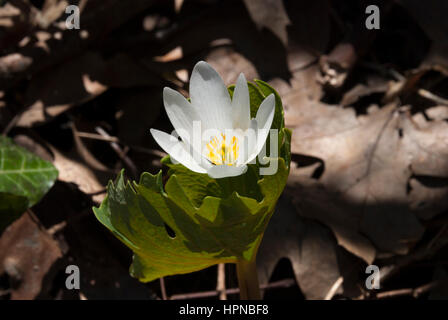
x=24 y=180
x=266 y=89
x=193 y=221
x=220 y=230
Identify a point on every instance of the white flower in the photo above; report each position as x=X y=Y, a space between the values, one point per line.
x=218 y=137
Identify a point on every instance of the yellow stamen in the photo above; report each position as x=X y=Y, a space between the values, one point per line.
x=219 y=152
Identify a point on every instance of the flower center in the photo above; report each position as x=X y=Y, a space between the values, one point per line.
x=221 y=151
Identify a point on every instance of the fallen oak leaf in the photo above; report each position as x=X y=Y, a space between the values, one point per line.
x=270 y=14
x=369 y=162
x=71 y=171
x=309 y=246
x=27 y=254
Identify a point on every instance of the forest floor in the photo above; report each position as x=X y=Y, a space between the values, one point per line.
x=368 y=110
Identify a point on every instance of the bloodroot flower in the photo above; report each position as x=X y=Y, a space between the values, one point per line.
x=217 y=134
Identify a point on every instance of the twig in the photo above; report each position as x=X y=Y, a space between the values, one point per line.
x=431 y=96
x=389 y=270
x=12 y=124
x=286 y=283
x=95 y=136
x=394 y=293
x=84 y=152
x=427 y=287
x=383 y=70
x=437 y=236
x=120 y=152
x=57 y=227
x=221 y=281
x=163 y=288
x=334 y=288
x=415 y=293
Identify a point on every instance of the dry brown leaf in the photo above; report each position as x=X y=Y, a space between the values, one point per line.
x=103 y=13
x=309 y=246
x=75 y=172
x=427 y=147
x=26 y=255
x=362 y=90
x=368 y=163
x=178 y=5
x=63 y=87
x=302 y=88
x=229 y=64
x=78 y=81
x=85 y=153
x=70 y=170
x=7 y=13
x=314 y=201
x=51 y=11
x=175 y=54
x=437 y=113
x=270 y=14
x=14 y=62
x=428 y=198
x=336 y=66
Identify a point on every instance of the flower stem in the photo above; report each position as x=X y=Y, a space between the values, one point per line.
x=248 y=280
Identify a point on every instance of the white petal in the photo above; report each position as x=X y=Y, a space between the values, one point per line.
x=210 y=97
x=223 y=171
x=264 y=118
x=176 y=150
x=180 y=112
x=241 y=104
x=197 y=157
x=248 y=145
